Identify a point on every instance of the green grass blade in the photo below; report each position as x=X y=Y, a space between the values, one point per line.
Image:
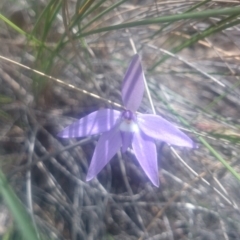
x=51 y=15
x=165 y=19
x=53 y=8
x=5 y=99
x=19 y=213
x=220 y=158
x=85 y=7
x=12 y=25
x=220 y=97
x=103 y=13
x=226 y=23
x=61 y=43
x=189 y=10
x=204 y=142
x=42 y=16
x=19 y=30
x=95 y=7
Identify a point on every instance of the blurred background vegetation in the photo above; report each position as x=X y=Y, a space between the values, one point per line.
x=190 y=53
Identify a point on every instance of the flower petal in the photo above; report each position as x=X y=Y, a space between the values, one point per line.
x=159 y=128
x=126 y=140
x=108 y=144
x=145 y=151
x=133 y=85
x=94 y=123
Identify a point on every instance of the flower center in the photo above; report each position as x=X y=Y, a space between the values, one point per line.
x=128 y=123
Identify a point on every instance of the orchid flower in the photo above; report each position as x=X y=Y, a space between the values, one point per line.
x=120 y=130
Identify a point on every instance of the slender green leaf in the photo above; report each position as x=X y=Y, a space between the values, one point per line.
x=224 y=24
x=205 y=143
x=19 y=213
x=19 y=30
x=165 y=19
x=103 y=13
x=189 y=10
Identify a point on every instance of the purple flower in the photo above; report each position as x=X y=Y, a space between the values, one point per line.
x=126 y=128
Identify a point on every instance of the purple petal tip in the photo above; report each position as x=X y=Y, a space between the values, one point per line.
x=133 y=84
